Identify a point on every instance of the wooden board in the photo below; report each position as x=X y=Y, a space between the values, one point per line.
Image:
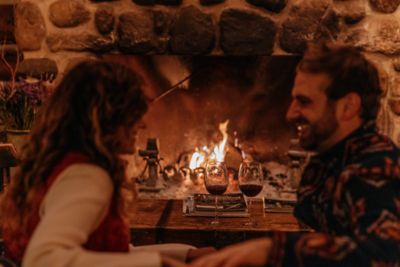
x=162 y=221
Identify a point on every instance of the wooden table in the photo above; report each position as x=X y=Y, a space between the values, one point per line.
x=162 y=221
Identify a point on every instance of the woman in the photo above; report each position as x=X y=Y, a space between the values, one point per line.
x=65 y=202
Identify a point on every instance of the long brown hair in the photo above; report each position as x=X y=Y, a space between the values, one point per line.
x=83 y=113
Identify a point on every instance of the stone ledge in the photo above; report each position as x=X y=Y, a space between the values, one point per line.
x=80 y=42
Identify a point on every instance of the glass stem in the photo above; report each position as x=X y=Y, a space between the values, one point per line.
x=249 y=204
x=250 y=223
x=216 y=207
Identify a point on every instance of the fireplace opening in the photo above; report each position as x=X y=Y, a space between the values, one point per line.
x=234 y=104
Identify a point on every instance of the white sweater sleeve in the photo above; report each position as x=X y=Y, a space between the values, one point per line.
x=72 y=209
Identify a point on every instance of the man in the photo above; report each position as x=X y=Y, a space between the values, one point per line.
x=350 y=190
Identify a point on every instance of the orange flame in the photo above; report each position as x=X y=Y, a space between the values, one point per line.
x=197 y=160
x=218 y=153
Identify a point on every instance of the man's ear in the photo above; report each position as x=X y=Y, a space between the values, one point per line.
x=349 y=106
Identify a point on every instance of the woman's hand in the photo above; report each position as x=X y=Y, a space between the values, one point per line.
x=250 y=253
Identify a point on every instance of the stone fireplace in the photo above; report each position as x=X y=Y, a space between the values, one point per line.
x=227 y=59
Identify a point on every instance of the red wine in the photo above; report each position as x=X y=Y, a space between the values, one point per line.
x=216 y=189
x=250 y=190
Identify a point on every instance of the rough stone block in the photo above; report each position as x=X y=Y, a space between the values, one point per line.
x=162 y=22
x=385 y=6
x=192 y=33
x=396 y=64
x=68 y=13
x=378 y=36
x=308 y=21
x=30 y=29
x=104 y=19
x=135 y=32
x=395 y=106
x=246 y=33
x=40 y=68
x=351 y=11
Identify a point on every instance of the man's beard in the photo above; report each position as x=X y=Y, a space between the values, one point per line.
x=311 y=135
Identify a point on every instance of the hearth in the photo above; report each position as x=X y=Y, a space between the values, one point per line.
x=223 y=108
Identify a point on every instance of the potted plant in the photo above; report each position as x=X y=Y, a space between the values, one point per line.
x=19 y=102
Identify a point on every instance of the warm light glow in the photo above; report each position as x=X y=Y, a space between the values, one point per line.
x=218 y=153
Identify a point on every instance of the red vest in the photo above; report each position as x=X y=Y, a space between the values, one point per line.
x=112 y=235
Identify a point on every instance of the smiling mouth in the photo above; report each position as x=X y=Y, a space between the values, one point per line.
x=302 y=129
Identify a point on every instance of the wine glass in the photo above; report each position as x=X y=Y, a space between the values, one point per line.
x=251 y=181
x=216 y=182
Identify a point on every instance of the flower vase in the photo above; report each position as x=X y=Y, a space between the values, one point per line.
x=18 y=138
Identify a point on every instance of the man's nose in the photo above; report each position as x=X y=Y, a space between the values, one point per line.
x=293 y=112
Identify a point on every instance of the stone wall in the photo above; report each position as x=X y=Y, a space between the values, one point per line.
x=54 y=33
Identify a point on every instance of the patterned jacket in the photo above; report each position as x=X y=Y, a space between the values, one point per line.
x=350 y=196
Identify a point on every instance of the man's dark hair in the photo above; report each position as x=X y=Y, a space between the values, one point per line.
x=350 y=72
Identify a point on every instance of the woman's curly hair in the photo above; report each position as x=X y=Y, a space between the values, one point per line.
x=91 y=102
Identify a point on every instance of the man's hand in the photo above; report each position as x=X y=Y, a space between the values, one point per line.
x=170 y=262
x=194 y=254
x=250 y=253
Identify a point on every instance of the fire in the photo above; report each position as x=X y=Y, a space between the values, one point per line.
x=218 y=153
x=197 y=160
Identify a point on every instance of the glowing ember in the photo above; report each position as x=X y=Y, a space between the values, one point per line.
x=218 y=153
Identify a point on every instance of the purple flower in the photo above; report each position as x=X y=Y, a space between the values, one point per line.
x=19 y=105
